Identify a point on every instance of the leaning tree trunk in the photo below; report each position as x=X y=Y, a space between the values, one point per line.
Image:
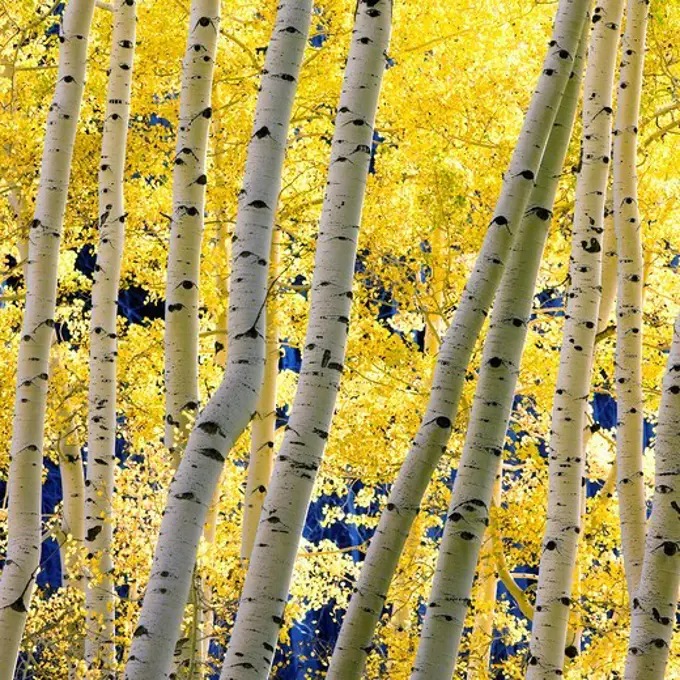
x=566 y=459
x=264 y=420
x=227 y=413
x=23 y=549
x=261 y=609
x=403 y=504
x=630 y=420
x=468 y=514
x=655 y=601
x=100 y=651
x=184 y=252
x=186 y=228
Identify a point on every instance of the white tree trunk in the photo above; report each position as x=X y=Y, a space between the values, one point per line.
x=261 y=608
x=23 y=550
x=655 y=602
x=482 y=453
x=227 y=413
x=566 y=458
x=264 y=421
x=403 y=504
x=101 y=443
x=189 y=181
x=629 y=326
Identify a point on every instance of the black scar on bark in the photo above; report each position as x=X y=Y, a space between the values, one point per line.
x=213 y=454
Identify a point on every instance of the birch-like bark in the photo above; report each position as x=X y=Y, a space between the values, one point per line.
x=260 y=614
x=655 y=601
x=227 y=413
x=264 y=420
x=23 y=549
x=468 y=514
x=403 y=504
x=566 y=458
x=189 y=181
x=100 y=650
x=629 y=326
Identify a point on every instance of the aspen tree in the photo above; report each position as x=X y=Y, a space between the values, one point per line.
x=189 y=181
x=101 y=445
x=655 y=602
x=468 y=514
x=403 y=504
x=261 y=609
x=629 y=326
x=264 y=421
x=184 y=252
x=23 y=549
x=566 y=457
x=227 y=413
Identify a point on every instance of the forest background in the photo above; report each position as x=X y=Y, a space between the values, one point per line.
x=459 y=77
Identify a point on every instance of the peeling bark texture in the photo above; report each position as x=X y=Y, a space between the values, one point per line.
x=100 y=652
x=264 y=421
x=480 y=464
x=566 y=458
x=226 y=415
x=189 y=181
x=23 y=549
x=430 y=443
x=608 y=265
x=655 y=602
x=628 y=374
x=261 y=609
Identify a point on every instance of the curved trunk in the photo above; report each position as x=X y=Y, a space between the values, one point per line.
x=227 y=413
x=189 y=180
x=100 y=649
x=629 y=326
x=566 y=458
x=403 y=505
x=261 y=609
x=655 y=601
x=264 y=419
x=468 y=514
x=23 y=549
